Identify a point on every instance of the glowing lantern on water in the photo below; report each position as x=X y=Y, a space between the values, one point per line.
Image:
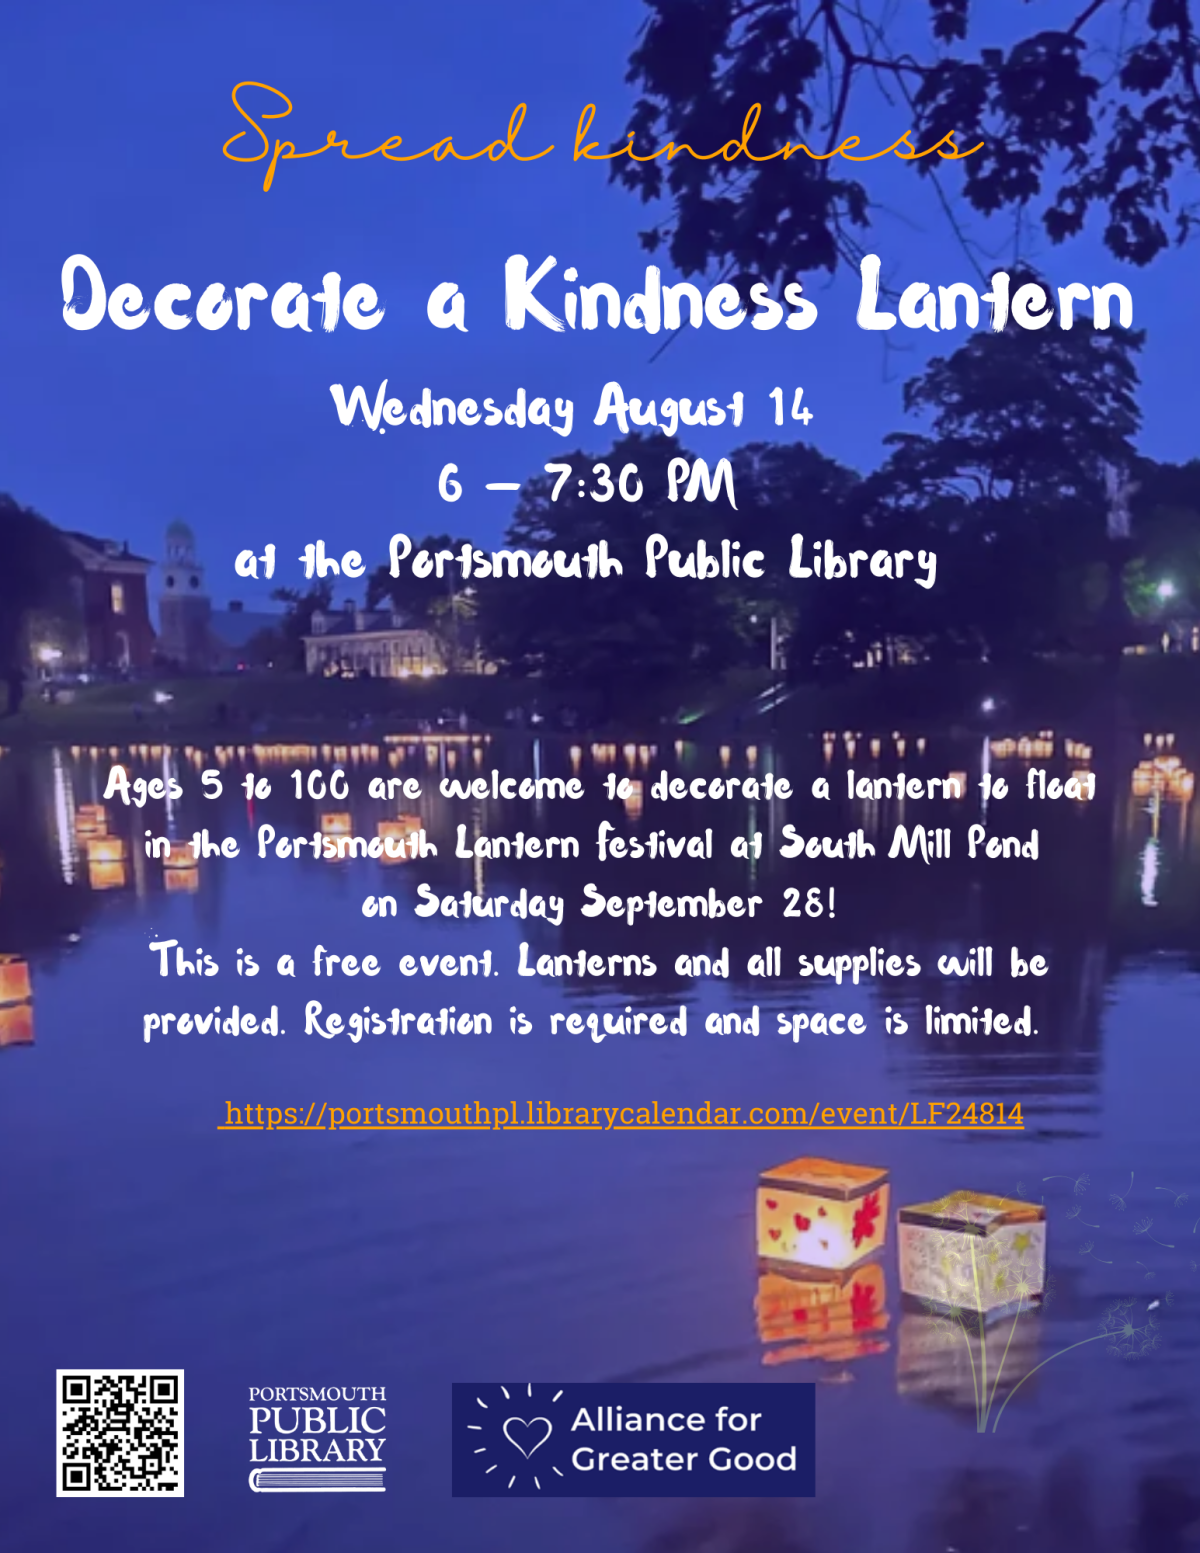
x=971 y=1251
x=181 y=881
x=1163 y=774
x=14 y=979
x=820 y=1214
x=106 y=876
x=398 y=830
x=91 y=820
x=634 y=803
x=180 y=855
x=338 y=824
x=106 y=849
x=959 y=779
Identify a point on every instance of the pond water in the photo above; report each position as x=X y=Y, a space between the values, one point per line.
x=135 y=1233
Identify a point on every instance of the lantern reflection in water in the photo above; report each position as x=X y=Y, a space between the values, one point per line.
x=181 y=881
x=834 y=1318
x=106 y=876
x=16 y=1025
x=337 y=824
x=945 y=1361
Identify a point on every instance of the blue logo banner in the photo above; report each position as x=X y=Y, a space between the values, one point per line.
x=632 y=1439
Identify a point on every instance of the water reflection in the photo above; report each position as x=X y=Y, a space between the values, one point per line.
x=593 y=1256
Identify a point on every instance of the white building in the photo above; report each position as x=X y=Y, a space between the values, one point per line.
x=375 y=643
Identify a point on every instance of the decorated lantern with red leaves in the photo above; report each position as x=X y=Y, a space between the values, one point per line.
x=821 y=1215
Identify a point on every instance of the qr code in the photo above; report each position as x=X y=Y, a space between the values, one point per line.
x=120 y=1433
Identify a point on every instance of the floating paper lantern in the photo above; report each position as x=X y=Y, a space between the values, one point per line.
x=91 y=820
x=16 y=1025
x=14 y=979
x=106 y=849
x=1163 y=774
x=338 y=824
x=398 y=830
x=974 y=1252
x=960 y=780
x=821 y=1215
x=180 y=855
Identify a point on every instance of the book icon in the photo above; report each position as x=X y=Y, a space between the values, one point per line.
x=318 y=1480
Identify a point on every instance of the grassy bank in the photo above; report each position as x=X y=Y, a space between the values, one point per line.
x=1064 y=694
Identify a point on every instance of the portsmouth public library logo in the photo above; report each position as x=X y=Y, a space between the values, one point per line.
x=317 y=1439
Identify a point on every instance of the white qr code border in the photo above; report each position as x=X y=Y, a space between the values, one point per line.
x=99 y=1434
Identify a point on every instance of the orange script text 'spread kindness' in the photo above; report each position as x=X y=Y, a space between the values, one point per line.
x=584 y=150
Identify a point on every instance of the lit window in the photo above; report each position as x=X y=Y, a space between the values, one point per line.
x=118 y=598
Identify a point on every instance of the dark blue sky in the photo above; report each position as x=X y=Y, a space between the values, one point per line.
x=116 y=123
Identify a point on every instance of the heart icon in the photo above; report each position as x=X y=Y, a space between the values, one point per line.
x=527 y=1429
x=774 y=1233
x=771 y=1203
x=802 y=1223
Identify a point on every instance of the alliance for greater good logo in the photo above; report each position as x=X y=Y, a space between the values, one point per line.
x=317 y=1439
